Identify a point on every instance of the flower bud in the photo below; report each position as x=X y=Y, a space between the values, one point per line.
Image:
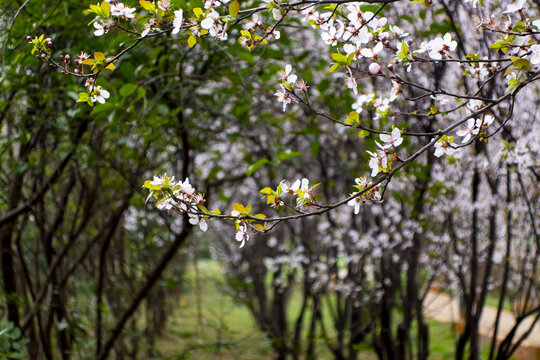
x=76 y=71
x=390 y=67
x=49 y=44
x=67 y=59
x=61 y=57
x=29 y=38
x=374 y=68
x=43 y=56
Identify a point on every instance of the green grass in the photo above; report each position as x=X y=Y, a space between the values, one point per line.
x=224 y=329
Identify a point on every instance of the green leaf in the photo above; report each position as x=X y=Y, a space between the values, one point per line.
x=362 y=134
x=254 y=167
x=353 y=118
x=245 y=33
x=234 y=7
x=314 y=146
x=105 y=9
x=520 y=64
x=192 y=40
x=127 y=90
x=287 y=154
x=147 y=5
x=267 y=191
x=240 y=208
x=83 y=96
x=260 y=227
x=198 y=12
x=340 y=58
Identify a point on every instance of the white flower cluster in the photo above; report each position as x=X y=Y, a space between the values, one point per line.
x=379 y=159
x=369 y=196
x=214 y=25
x=97 y=93
x=119 y=10
x=299 y=188
x=438 y=47
x=289 y=83
x=178 y=195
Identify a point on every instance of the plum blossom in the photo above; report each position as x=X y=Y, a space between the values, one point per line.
x=302 y=86
x=398 y=32
x=361 y=100
x=374 y=68
x=474 y=105
x=355 y=15
x=213 y=3
x=515 y=6
x=178 y=195
x=332 y=35
x=392 y=140
x=353 y=49
x=242 y=235
x=286 y=75
x=185 y=193
x=356 y=204
x=382 y=105
x=276 y=13
x=357 y=35
x=468 y=129
x=164 y=5
x=374 y=23
x=396 y=90
x=484 y=123
x=151 y=25
x=374 y=194
x=163 y=180
x=305 y=193
x=122 y=10
x=177 y=22
x=290 y=189
x=445 y=146
x=284 y=97
x=83 y=56
x=253 y=23
x=101 y=28
x=372 y=53
x=213 y=24
x=99 y=94
x=211 y=20
x=350 y=82
x=535 y=54
x=440 y=47
x=377 y=161
x=273 y=33
x=195 y=219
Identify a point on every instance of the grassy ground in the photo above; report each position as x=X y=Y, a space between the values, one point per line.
x=211 y=325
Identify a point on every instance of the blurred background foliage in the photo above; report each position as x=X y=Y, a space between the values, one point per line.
x=91 y=272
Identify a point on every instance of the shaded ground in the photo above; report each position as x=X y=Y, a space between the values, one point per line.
x=445 y=308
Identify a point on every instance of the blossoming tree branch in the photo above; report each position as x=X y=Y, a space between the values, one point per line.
x=362 y=44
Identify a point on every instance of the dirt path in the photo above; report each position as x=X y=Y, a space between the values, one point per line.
x=444 y=308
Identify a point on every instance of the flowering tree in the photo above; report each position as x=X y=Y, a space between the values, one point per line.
x=404 y=110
